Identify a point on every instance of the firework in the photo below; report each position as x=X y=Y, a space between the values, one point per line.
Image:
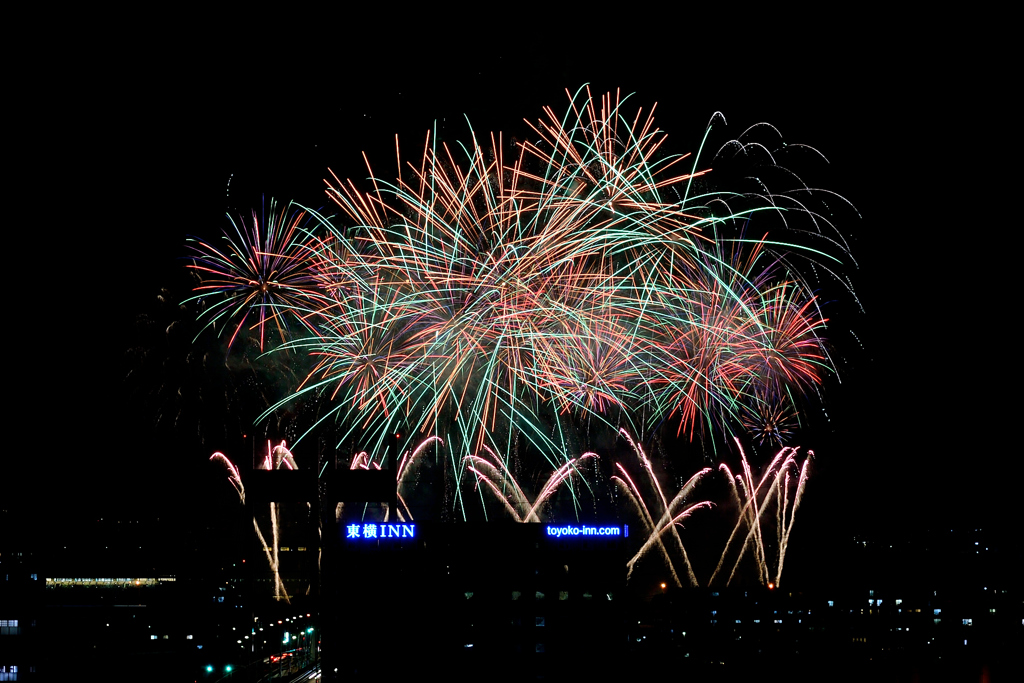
x=260 y=273
x=588 y=283
x=494 y=474
x=233 y=475
x=776 y=488
x=671 y=516
x=276 y=457
x=486 y=300
x=363 y=461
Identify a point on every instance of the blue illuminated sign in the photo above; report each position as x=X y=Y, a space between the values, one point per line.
x=576 y=530
x=372 y=531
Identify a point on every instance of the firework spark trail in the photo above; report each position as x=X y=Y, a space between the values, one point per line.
x=275 y=457
x=403 y=469
x=751 y=515
x=638 y=501
x=271 y=552
x=279 y=589
x=754 y=514
x=664 y=522
x=751 y=510
x=363 y=460
x=755 y=537
x=665 y=525
x=669 y=522
x=739 y=506
x=557 y=477
x=275 y=565
x=655 y=531
x=801 y=485
x=487 y=472
x=487 y=481
x=234 y=477
x=782 y=496
x=668 y=519
x=360 y=461
x=509 y=493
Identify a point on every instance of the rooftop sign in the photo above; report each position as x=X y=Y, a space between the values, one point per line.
x=371 y=531
x=577 y=530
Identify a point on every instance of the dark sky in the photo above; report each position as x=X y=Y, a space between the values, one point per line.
x=130 y=141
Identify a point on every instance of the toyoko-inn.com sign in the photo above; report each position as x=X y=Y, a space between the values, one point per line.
x=584 y=531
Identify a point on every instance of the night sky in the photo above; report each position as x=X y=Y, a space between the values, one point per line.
x=132 y=143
